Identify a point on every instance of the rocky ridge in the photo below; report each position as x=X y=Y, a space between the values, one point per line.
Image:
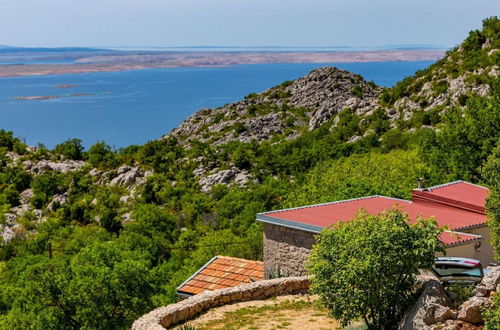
x=309 y=101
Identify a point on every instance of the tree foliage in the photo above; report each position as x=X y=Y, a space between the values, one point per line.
x=366 y=268
x=101 y=287
x=70 y=149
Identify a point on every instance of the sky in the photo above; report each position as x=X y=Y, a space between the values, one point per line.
x=292 y=23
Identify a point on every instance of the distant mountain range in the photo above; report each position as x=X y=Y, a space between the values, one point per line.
x=12 y=49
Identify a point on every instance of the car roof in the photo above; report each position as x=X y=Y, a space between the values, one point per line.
x=457 y=261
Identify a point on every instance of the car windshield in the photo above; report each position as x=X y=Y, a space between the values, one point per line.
x=449 y=270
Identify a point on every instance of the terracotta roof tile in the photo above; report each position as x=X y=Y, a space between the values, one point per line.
x=223 y=272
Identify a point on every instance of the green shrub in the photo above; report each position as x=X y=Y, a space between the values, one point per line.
x=8 y=141
x=366 y=268
x=492 y=316
x=357 y=91
x=70 y=149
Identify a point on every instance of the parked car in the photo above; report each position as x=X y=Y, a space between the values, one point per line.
x=454 y=270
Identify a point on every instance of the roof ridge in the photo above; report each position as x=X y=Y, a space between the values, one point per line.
x=330 y=203
x=461 y=233
x=236 y=258
x=443 y=185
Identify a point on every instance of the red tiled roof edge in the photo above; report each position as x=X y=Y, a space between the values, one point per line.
x=223 y=269
x=178 y=289
x=460 y=241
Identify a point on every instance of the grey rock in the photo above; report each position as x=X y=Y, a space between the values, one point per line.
x=10 y=217
x=94 y=172
x=471 y=310
x=58 y=200
x=126 y=217
x=227 y=177
x=25 y=196
x=127 y=176
x=489 y=282
x=46 y=165
x=7 y=234
x=432 y=306
x=124 y=199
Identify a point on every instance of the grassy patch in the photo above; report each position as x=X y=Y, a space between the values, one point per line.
x=274 y=316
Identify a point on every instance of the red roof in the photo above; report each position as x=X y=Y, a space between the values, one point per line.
x=458 y=194
x=452 y=237
x=222 y=272
x=315 y=217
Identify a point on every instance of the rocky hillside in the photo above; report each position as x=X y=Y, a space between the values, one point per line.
x=350 y=109
x=472 y=68
x=285 y=111
x=282 y=111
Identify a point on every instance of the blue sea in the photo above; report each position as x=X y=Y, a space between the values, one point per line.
x=133 y=107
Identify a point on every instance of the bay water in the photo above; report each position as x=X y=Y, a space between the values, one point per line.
x=133 y=107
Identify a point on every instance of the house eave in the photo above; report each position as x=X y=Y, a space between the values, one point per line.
x=289 y=224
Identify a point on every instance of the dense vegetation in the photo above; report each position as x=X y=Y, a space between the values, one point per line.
x=105 y=272
x=366 y=268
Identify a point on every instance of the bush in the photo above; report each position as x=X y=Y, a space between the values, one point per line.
x=8 y=141
x=492 y=316
x=70 y=149
x=367 y=268
x=101 y=155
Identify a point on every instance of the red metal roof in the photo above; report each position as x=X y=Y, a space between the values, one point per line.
x=223 y=272
x=314 y=217
x=458 y=194
x=327 y=214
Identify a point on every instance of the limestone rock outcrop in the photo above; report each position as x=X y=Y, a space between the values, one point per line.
x=230 y=176
x=321 y=95
x=47 y=165
x=432 y=306
x=128 y=176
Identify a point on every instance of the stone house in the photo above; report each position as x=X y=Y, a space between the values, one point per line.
x=289 y=234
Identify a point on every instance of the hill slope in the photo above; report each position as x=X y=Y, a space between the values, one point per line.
x=125 y=227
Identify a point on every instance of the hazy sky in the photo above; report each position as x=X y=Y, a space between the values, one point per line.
x=240 y=22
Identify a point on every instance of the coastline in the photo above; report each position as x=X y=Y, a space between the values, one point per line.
x=114 y=63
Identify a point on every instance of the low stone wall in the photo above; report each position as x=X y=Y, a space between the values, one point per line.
x=187 y=309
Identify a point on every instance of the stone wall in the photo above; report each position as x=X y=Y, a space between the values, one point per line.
x=285 y=250
x=187 y=309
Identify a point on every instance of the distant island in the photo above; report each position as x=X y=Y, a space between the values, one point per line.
x=66 y=86
x=108 y=61
x=48 y=97
x=36 y=98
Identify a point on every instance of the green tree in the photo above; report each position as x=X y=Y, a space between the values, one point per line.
x=101 y=287
x=101 y=155
x=366 y=268
x=465 y=140
x=70 y=149
x=8 y=141
x=491 y=176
